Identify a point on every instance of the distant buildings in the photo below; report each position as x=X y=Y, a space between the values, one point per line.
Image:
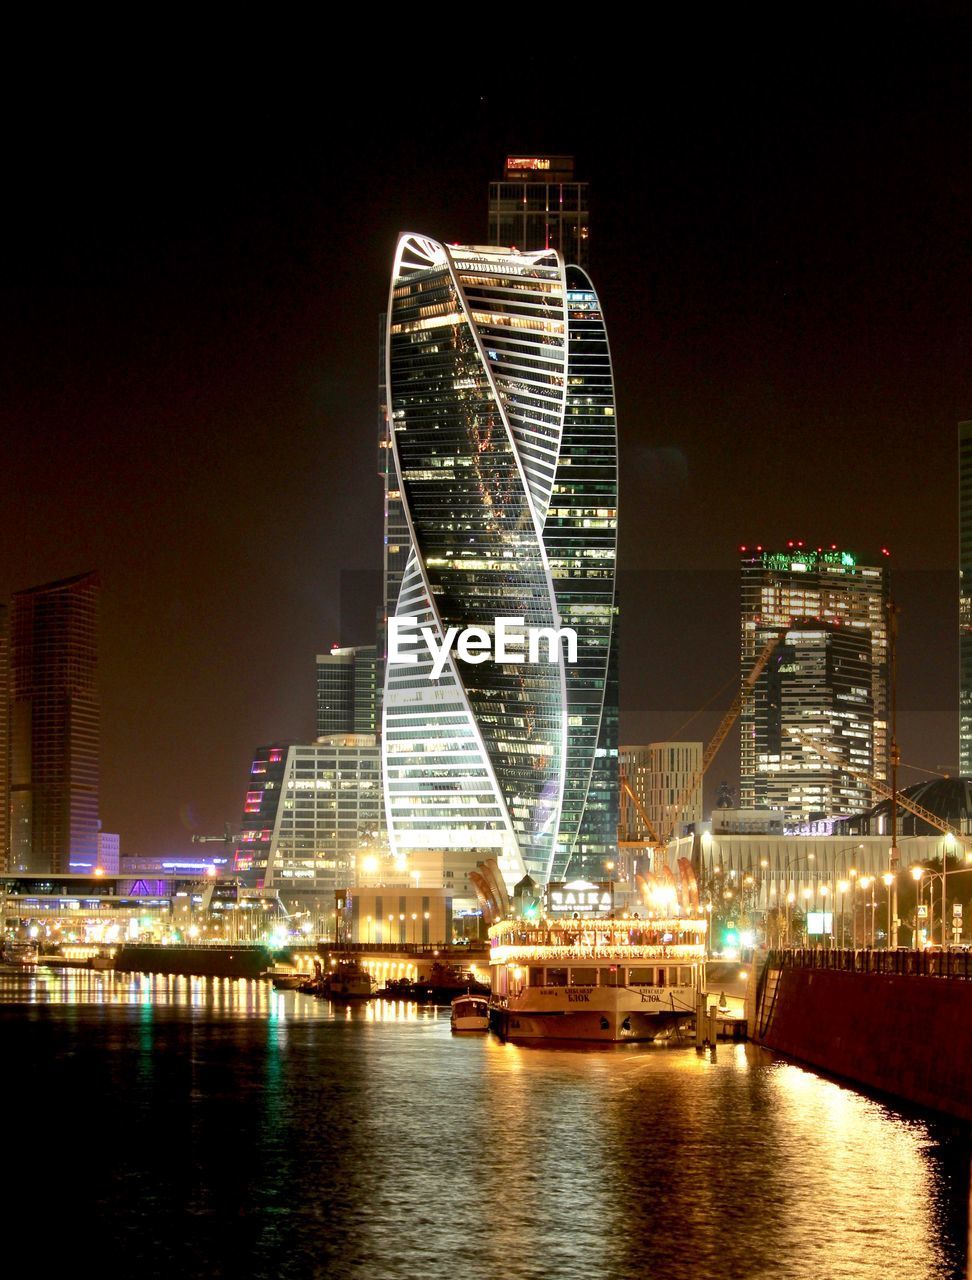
x=965 y=598
x=829 y=678
x=348 y=698
x=54 y=726
x=539 y=204
x=107 y=853
x=659 y=773
x=500 y=400
x=312 y=813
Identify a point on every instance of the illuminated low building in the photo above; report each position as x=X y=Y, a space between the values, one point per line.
x=316 y=810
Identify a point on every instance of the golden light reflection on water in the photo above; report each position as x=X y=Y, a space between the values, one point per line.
x=229 y=997
x=597 y=1161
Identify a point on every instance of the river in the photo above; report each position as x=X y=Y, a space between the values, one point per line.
x=180 y=1127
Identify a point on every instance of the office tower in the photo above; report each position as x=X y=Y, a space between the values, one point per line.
x=500 y=400
x=540 y=205
x=818 y=681
x=659 y=773
x=965 y=598
x=54 y=726
x=347 y=692
x=312 y=813
x=108 y=853
x=812 y=589
x=262 y=798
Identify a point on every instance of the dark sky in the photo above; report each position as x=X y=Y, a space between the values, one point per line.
x=193 y=263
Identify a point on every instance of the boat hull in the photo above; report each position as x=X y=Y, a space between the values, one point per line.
x=600 y=1014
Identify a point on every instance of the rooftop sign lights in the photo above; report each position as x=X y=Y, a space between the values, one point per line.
x=804 y=561
x=538 y=163
x=579 y=896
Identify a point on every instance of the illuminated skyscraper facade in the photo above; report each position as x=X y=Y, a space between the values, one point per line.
x=813 y=592
x=54 y=726
x=501 y=412
x=817 y=681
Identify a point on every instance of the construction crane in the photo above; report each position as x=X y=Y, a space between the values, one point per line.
x=885 y=792
x=710 y=753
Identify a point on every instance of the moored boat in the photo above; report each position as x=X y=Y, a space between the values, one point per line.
x=20 y=953
x=348 y=982
x=470 y=1013
x=287 y=980
x=594 y=978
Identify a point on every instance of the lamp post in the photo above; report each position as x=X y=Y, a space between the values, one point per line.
x=866 y=882
x=916 y=873
x=809 y=859
x=888 y=879
x=829 y=937
x=842 y=887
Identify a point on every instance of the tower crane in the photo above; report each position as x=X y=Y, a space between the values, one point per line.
x=885 y=792
x=657 y=841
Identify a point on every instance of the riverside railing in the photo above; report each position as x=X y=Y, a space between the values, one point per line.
x=901 y=962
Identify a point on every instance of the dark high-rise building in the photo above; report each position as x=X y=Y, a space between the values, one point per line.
x=54 y=726
x=965 y=598
x=818 y=682
x=348 y=700
x=812 y=590
x=540 y=205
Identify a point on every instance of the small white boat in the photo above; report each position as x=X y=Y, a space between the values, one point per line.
x=470 y=1013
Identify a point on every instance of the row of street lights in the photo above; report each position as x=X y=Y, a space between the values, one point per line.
x=850 y=882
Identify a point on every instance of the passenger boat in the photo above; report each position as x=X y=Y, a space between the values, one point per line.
x=594 y=978
x=470 y=1013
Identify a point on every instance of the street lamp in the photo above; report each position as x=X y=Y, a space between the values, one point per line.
x=866 y=882
x=916 y=874
x=842 y=887
x=824 y=890
x=888 y=879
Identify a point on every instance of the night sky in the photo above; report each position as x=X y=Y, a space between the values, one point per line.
x=193 y=264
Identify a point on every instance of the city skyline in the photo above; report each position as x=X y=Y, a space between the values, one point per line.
x=203 y=373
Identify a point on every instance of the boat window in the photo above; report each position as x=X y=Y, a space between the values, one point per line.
x=612 y=977
x=556 y=977
x=536 y=977
x=685 y=977
x=583 y=977
x=641 y=977
x=672 y=976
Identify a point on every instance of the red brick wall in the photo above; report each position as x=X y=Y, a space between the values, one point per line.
x=906 y=1036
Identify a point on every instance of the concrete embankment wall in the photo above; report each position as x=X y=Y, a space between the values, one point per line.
x=907 y=1036
x=238 y=962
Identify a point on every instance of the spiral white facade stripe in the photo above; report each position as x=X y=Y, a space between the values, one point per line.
x=477 y=389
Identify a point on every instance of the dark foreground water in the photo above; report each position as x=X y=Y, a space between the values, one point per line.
x=192 y=1127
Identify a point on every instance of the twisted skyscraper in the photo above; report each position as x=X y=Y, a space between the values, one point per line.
x=501 y=420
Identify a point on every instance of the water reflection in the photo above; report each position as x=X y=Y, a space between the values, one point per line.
x=227 y=997
x=226 y=1128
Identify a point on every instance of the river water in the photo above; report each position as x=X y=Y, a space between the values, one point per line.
x=160 y=1126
